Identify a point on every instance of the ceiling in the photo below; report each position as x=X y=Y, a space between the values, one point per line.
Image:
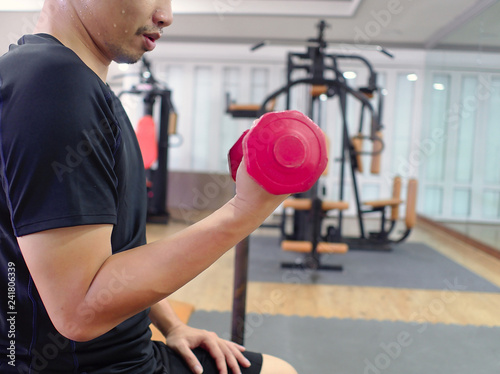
x=421 y=24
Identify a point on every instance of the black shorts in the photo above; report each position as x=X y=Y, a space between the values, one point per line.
x=172 y=363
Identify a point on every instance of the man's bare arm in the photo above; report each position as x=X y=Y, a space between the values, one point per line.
x=87 y=291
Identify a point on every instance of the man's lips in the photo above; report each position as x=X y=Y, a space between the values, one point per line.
x=150 y=40
x=153 y=36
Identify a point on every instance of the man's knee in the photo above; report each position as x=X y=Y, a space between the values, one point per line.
x=274 y=365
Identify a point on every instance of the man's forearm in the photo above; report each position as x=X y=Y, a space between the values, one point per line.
x=149 y=273
x=164 y=317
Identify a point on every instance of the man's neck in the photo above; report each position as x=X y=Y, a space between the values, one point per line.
x=54 y=21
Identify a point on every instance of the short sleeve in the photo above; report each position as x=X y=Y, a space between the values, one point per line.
x=58 y=141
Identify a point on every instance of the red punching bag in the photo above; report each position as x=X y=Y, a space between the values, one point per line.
x=146 y=135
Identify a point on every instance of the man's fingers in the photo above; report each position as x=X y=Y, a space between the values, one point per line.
x=231 y=360
x=236 y=352
x=232 y=357
x=239 y=347
x=190 y=359
x=216 y=350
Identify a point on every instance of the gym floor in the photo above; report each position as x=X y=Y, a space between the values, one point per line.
x=212 y=290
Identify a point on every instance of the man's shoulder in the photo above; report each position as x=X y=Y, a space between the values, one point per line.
x=45 y=86
x=39 y=49
x=38 y=59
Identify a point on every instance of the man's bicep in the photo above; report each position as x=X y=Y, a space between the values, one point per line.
x=63 y=263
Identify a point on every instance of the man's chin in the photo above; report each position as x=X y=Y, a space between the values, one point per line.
x=128 y=59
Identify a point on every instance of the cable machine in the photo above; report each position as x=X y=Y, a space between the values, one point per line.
x=310 y=211
x=317 y=63
x=319 y=67
x=154 y=141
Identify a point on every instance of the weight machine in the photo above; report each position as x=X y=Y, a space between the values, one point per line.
x=155 y=142
x=317 y=63
x=327 y=81
x=310 y=211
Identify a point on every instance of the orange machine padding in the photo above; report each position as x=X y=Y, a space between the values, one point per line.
x=325 y=247
x=172 y=123
x=251 y=107
x=306 y=204
x=238 y=107
x=357 y=143
x=306 y=247
x=334 y=205
x=382 y=203
x=393 y=202
x=411 y=203
x=396 y=194
x=376 y=158
x=183 y=311
x=368 y=92
x=317 y=90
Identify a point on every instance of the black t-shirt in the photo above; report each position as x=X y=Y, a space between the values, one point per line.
x=68 y=156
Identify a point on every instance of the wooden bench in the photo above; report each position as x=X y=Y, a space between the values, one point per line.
x=183 y=311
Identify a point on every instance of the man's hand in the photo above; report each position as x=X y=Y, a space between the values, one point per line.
x=252 y=198
x=183 y=339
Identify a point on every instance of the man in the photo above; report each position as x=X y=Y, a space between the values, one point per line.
x=80 y=285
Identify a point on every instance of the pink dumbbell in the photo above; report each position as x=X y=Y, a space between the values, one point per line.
x=285 y=152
